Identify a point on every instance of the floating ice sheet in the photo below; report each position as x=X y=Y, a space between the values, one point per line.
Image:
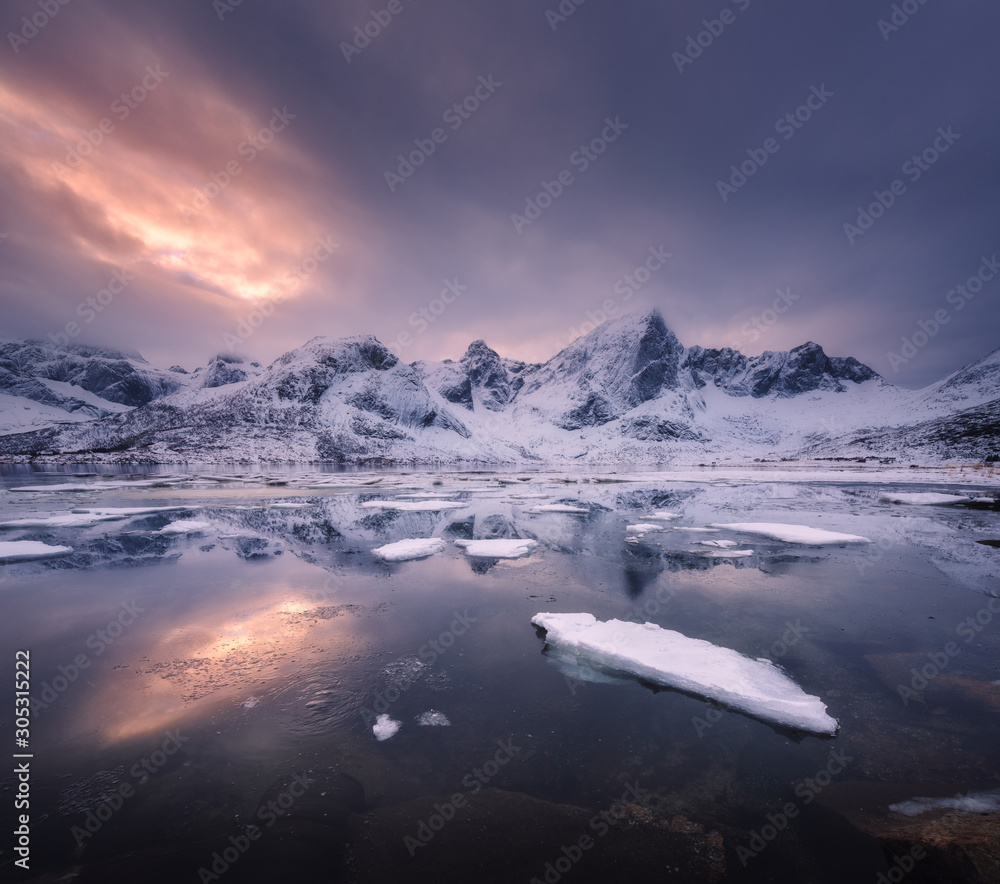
x=184 y=526
x=86 y=518
x=404 y=550
x=413 y=506
x=973 y=802
x=923 y=498
x=559 y=508
x=433 y=718
x=792 y=533
x=505 y=548
x=385 y=727
x=26 y=550
x=665 y=657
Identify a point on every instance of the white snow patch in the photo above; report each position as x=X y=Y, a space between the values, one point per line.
x=433 y=718
x=974 y=802
x=413 y=506
x=385 y=727
x=85 y=518
x=504 y=548
x=792 y=533
x=559 y=508
x=26 y=550
x=405 y=550
x=665 y=657
x=923 y=498
x=184 y=526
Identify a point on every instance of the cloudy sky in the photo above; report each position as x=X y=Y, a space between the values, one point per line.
x=435 y=171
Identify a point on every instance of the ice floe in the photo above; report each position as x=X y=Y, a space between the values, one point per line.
x=923 y=498
x=433 y=718
x=385 y=727
x=404 y=550
x=644 y=528
x=505 y=548
x=719 y=544
x=792 y=533
x=665 y=657
x=184 y=526
x=973 y=802
x=86 y=518
x=413 y=506
x=26 y=550
x=663 y=516
x=559 y=508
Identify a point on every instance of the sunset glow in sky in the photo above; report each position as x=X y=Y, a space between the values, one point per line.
x=346 y=161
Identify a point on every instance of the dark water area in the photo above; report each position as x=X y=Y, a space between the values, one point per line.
x=204 y=705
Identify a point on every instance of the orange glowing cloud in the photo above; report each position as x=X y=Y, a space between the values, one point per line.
x=172 y=178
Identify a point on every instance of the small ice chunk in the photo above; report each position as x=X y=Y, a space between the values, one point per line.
x=665 y=657
x=643 y=528
x=433 y=718
x=26 y=550
x=250 y=702
x=923 y=498
x=559 y=508
x=728 y=553
x=413 y=506
x=663 y=516
x=720 y=544
x=973 y=802
x=385 y=727
x=405 y=550
x=792 y=533
x=184 y=526
x=503 y=548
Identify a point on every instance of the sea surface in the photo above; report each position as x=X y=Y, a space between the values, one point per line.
x=181 y=682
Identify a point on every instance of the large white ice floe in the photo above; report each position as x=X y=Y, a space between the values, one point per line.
x=26 y=550
x=404 y=550
x=503 y=548
x=385 y=727
x=559 y=508
x=413 y=506
x=184 y=526
x=665 y=657
x=84 y=518
x=792 y=533
x=973 y=802
x=923 y=498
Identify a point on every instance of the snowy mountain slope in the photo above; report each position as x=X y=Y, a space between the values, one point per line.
x=628 y=392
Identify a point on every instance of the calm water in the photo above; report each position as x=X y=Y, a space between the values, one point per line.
x=180 y=682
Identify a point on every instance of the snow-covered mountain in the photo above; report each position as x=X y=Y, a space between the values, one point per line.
x=627 y=392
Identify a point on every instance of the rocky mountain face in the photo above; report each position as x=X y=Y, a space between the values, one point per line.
x=627 y=392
